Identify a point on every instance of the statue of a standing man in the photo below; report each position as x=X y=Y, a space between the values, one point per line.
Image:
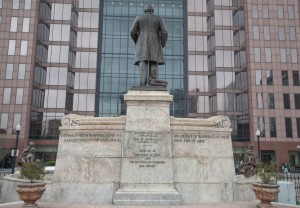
x=150 y=35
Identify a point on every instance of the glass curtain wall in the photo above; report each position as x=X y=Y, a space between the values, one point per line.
x=116 y=72
x=217 y=75
x=65 y=71
x=52 y=72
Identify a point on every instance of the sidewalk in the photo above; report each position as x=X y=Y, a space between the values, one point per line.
x=217 y=205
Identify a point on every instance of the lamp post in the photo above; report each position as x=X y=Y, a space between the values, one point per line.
x=298 y=148
x=258 y=143
x=14 y=154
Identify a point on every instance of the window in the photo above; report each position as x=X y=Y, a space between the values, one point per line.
x=6 y=95
x=57 y=76
x=89 y=40
x=21 y=74
x=286 y=101
x=88 y=81
x=59 y=32
x=9 y=71
x=257 y=54
x=292 y=33
x=280 y=11
x=83 y=102
x=271 y=101
x=223 y=58
x=59 y=54
x=11 y=47
x=24 y=44
x=282 y=55
x=61 y=11
x=296 y=78
x=254 y=11
x=19 y=96
x=17 y=120
x=3 y=123
x=14 y=24
x=291 y=12
x=294 y=55
x=272 y=127
x=1 y=3
x=267 y=33
x=258 y=77
x=265 y=11
x=285 y=78
x=268 y=55
x=288 y=127
x=255 y=32
x=269 y=77
x=281 y=33
x=298 y=127
x=90 y=19
x=55 y=99
x=95 y=4
x=15 y=4
x=297 y=101
x=27 y=4
x=259 y=100
x=25 y=25
x=192 y=23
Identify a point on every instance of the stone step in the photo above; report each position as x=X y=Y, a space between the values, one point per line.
x=146 y=198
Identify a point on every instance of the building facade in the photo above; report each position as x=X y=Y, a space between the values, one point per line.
x=237 y=58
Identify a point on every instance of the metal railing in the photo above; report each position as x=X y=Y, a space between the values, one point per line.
x=2 y=174
x=296 y=180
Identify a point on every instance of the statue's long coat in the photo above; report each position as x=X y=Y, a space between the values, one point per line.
x=150 y=35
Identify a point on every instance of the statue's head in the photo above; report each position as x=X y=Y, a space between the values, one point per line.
x=32 y=144
x=148 y=8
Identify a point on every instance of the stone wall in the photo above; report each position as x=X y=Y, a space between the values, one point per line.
x=146 y=157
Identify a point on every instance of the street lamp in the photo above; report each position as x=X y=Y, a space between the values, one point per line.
x=15 y=154
x=298 y=148
x=258 y=143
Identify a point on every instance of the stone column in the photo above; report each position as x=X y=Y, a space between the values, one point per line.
x=147 y=168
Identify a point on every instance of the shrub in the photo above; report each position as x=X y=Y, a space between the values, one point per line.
x=32 y=171
x=268 y=172
x=51 y=163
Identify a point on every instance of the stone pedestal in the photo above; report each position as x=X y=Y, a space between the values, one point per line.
x=147 y=167
x=145 y=157
x=242 y=188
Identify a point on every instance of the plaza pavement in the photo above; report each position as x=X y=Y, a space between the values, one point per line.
x=216 y=205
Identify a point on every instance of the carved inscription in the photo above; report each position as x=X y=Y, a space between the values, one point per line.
x=147 y=144
x=146 y=137
x=92 y=137
x=147 y=148
x=146 y=163
x=197 y=138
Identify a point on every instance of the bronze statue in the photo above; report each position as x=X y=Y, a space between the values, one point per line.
x=249 y=167
x=28 y=154
x=150 y=35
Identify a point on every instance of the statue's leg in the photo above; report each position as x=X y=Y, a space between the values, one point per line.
x=143 y=73
x=152 y=72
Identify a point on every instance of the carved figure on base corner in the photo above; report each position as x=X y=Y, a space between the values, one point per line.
x=150 y=35
x=249 y=167
x=28 y=154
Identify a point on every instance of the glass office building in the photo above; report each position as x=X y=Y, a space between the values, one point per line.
x=116 y=70
x=236 y=58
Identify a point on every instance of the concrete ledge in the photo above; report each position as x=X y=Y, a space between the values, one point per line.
x=206 y=205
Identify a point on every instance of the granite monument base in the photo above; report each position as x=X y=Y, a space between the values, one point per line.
x=145 y=157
